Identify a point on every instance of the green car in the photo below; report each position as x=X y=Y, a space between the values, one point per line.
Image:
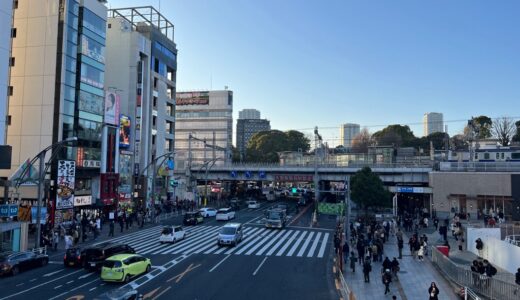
x=123 y=267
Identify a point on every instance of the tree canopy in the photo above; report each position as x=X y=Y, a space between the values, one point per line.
x=516 y=137
x=396 y=135
x=361 y=141
x=264 y=146
x=482 y=126
x=503 y=129
x=367 y=190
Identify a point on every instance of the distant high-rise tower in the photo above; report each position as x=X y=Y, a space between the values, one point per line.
x=432 y=122
x=249 y=114
x=347 y=132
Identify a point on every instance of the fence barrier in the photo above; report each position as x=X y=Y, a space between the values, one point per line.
x=513 y=239
x=492 y=288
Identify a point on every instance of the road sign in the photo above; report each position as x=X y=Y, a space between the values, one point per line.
x=171 y=164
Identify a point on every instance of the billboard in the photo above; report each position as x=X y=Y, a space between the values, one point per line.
x=66 y=181
x=192 y=98
x=124 y=131
x=111 y=108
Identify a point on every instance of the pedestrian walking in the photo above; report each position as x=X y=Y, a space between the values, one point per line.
x=517 y=279
x=346 y=251
x=111 y=228
x=420 y=253
x=337 y=242
x=433 y=291
x=68 y=241
x=55 y=240
x=400 y=245
x=367 y=268
x=353 y=260
x=387 y=279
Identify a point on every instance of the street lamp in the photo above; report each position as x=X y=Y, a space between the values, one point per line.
x=154 y=175
x=41 y=177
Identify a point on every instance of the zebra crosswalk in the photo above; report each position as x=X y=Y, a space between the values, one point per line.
x=257 y=241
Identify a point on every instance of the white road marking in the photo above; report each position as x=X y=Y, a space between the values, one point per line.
x=161 y=293
x=71 y=290
x=323 y=245
x=250 y=233
x=260 y=243
x=297 y=243
x=274 y=239
x=57 y=287
x=212 y=269
x=288 y=242
x=86 y=275
x=304 y=246
x=314 y=244
x=69 y=282
x=244 y=245
x=92 y=289
x=279 y=243
x=34 y=279
x=52 y=273
x=263 y=261
x=20 y=284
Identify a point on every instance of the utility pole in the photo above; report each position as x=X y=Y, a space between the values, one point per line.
x=41 y=176
x=317 y=139
x=206 y=177
x=347 y=211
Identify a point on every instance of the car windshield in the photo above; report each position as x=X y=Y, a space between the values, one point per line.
x=112 y=264
x=227 y=230
x=273 y=215
x=188 y=215
x=167 y=230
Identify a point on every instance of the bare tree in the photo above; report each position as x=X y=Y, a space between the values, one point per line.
x=361 y=141
x=503 y=129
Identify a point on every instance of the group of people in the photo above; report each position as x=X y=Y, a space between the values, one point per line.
x=418 y=246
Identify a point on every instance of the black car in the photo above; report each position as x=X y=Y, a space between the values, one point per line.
x=193 y=218
x=72 y=257
x=14 y=262
x=93 y=257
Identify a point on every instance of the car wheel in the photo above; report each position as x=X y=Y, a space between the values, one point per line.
x=15 y=270
x=127 y=279
x=148 y=268
x=44 y=262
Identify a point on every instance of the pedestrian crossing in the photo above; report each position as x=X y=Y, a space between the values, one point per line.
x=257 y=241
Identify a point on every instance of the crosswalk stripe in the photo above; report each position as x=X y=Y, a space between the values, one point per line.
x=220 y=249
x=323 y=245
x=286 y=236
x=249 y=233
x=137 y=233
x=243 y=246
x=297 y=243
x=260 y=243
x=155 y=244
x=287 y=243
x=202 y=240
x=274 y=239
x=304 y=246
x=314 y=245
x=157 y=249
x=215 y=247
x=182 y=244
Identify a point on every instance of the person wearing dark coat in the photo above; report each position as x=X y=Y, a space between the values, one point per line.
x=367 y=268
x=433 y=292
x=387 y=264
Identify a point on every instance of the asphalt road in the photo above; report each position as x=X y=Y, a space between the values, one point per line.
x=292 y=263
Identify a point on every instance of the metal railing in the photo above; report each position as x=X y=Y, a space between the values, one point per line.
x=426 y=165
x=469 y=294
x=492 y=288
x=480 y=166
x=513 y=239
x=344 y=290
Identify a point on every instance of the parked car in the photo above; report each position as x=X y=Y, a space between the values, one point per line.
x=123 y=267
x=193 y=218
x=225 y=214
x=93 y=257
x=15 y=262
x=172 y=234
x=253 y=204
x=72 y=257
x=208 y=212
x=230 y=234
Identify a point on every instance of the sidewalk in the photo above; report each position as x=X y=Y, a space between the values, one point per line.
x=414 y=278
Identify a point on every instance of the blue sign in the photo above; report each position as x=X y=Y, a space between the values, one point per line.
x=261 y=174
x=34 y=214
x=234 y=174
x=404 y=189
x=171 y=164
x=8 y=210
x=248 y=174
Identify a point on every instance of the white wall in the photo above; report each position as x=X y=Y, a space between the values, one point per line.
x=498 y=252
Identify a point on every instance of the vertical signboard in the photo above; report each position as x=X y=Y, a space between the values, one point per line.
x=124 y=132
x=111 y=108
x=66 y=180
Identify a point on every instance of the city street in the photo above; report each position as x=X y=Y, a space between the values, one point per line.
x=294 y=262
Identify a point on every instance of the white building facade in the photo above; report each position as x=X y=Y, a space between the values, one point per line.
x=347 y=132
x=249 y=113
x=432 y=122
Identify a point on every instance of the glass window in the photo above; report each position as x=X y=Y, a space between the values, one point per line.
x=89 y=130
x=92 y=76
x=497 y=155
x=90 y=103
x=74 y=7
x=92 y=49
x=515 y=155
x=69 y=92
x=73 y=21
x=94 y=23
x=91 y=89
x=486 y=155
x=68 y=107
x=72 y=35
x=502 y=155
x=72 y=49
x=70 y=63
x=70 y=78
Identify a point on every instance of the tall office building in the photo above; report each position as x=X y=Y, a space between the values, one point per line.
x=432 y=122
x=249 y=114
x=205 y=115
x=57 y=92
x=142 y=64
x=347 y=132
x=246 y=128
x=6 y=24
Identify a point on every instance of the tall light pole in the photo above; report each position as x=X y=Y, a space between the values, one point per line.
x=41 y=177
x=317 y=140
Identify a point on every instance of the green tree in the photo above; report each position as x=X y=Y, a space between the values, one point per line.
x=516 y=137
x=367 y=190
x=458 y=143
x=264 y=146
x=396 y=135
x=235 y=154
x=438 y=139
x=483 y=126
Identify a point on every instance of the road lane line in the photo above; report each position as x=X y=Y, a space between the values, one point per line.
x=304 y=246
x=324 y=242
x=279 y=243
x=156 y=246
x=20 y=284
x=260 y=243
x=263 y=261
x=296 y=244
x=39 y=285
x=161 y=293
x=244 y=245
x=219 y=263
x=288 y=242
x=69 y=282
x=32 y=280
x=52 y=273
x=92 y=289
x=196 y=237
x=251 y=221
x=222 y=249
x=57 y=287
x=125 y=236
x=314 y=245
x=72 y=290
x=86 y=275
x=201 y=239
x=274 y=239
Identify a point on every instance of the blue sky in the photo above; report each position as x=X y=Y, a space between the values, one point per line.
x=323 y=63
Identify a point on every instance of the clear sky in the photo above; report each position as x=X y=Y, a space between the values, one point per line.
x=323 y=63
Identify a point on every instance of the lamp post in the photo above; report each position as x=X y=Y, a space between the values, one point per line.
x=41 y=177
x=153 y=163
x=317 y=139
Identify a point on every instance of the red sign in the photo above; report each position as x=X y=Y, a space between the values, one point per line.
x=293 y=177
x=108 y=185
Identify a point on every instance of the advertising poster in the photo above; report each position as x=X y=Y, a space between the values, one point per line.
x=111 y=108
x=124 y=132
x=34 y=214
x=66 y=180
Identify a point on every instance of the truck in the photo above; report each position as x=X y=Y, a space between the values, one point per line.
x=275 y=218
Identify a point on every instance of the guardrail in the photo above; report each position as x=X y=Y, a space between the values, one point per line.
x=513 y=239
x=344 y=289
x=492 y=288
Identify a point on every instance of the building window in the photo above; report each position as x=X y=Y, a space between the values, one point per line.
x=155 y=83
x=15 y=4
x=502 y=155
x=10 y=90
x=153 y=140
x=11 y=61
x=109 y=25
x=497 y=155
x=154 y=120
x=13 y=32
x=154 y=101
x=9 y=120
